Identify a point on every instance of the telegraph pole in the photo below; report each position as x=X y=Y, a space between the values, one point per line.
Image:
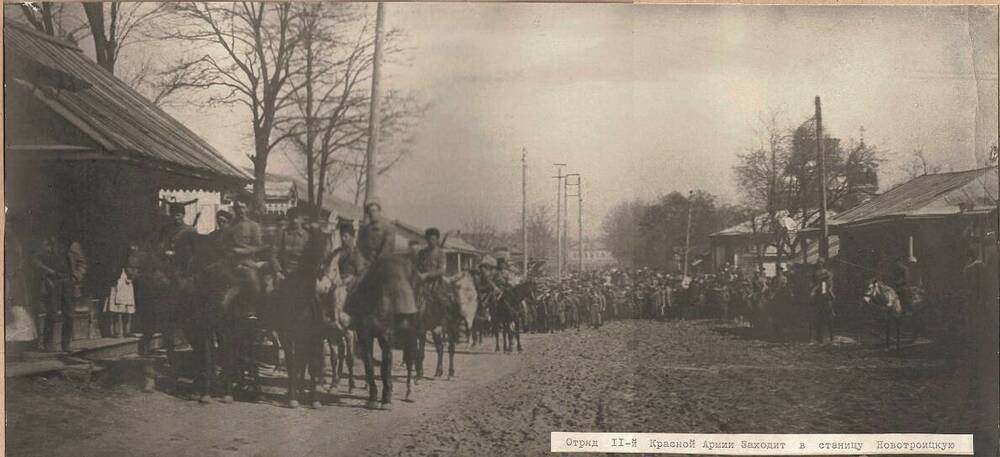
x=687 y=233
x=579 y=201
x=371 y=167
x=524 y=210
x=579 y=197
x=824 y=240
x=564 y=247
x=559 y=191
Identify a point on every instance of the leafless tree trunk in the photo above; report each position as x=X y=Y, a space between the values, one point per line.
x=257 y=42
x=331 y=95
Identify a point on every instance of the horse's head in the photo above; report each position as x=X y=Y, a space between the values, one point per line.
x=872 y=290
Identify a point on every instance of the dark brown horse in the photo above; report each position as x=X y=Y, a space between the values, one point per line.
x=510 y=315
x=442 y=316
x=374 y=310
x=214 y=318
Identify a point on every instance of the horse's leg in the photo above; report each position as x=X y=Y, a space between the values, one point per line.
x=419 y=355
x=366 y=341
x=251 y=340
x=231 y=354
x=336 y=347
x=439 y=348
x=207 y=368
x=348 y=357
x=452 y=335
x=315 y=363
x=496 y=335
x=280 y=353
x=293 y=357
x=385 y=342
x=408 y=346
x=517 y=334
x=509 y=334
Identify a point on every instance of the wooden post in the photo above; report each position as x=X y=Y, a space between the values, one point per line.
x=524 y=211
x=687 y=233
x=559 y=208
x=371 y=166
x=824 y=240
x=579 y=196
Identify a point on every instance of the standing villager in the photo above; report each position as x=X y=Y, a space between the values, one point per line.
x=822 y=298
x=19 y=324
x=53 y=264
x=120 y=305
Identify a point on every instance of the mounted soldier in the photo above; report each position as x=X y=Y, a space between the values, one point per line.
x=243 y=245
x=900 y=278
x=383 y=306
x=428 y=284
x=377 y=238
x=165 y=276
x=296 y=262
x=487 y=291
x=348 y=268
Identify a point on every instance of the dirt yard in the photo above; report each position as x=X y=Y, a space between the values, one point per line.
x=694 y=376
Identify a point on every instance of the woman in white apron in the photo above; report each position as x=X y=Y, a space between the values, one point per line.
x=121 y=306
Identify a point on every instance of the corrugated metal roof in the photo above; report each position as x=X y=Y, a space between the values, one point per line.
x=111 y=112
x=928 y=196
x=762 y=220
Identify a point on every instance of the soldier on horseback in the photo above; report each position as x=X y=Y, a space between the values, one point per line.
x=377 y=237
x=243 y=244
x=166 y=272
x=296 y=262
x=487 y=292
x=900 y=279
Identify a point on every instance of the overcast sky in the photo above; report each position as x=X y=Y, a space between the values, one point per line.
x=642 y=100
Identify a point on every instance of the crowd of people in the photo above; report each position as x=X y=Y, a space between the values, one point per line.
x=595 y=296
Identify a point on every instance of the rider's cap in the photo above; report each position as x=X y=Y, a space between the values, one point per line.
x=432 y=232
x=223 y=214
x=373 y=201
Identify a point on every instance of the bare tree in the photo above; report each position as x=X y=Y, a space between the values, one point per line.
x=112 y=25
x=328 y=127
x=760 y=175
x=53 y=18
x=243 y=56
x=917 y=164
x=481 y=232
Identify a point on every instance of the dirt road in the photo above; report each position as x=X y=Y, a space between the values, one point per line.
x=698 y=376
